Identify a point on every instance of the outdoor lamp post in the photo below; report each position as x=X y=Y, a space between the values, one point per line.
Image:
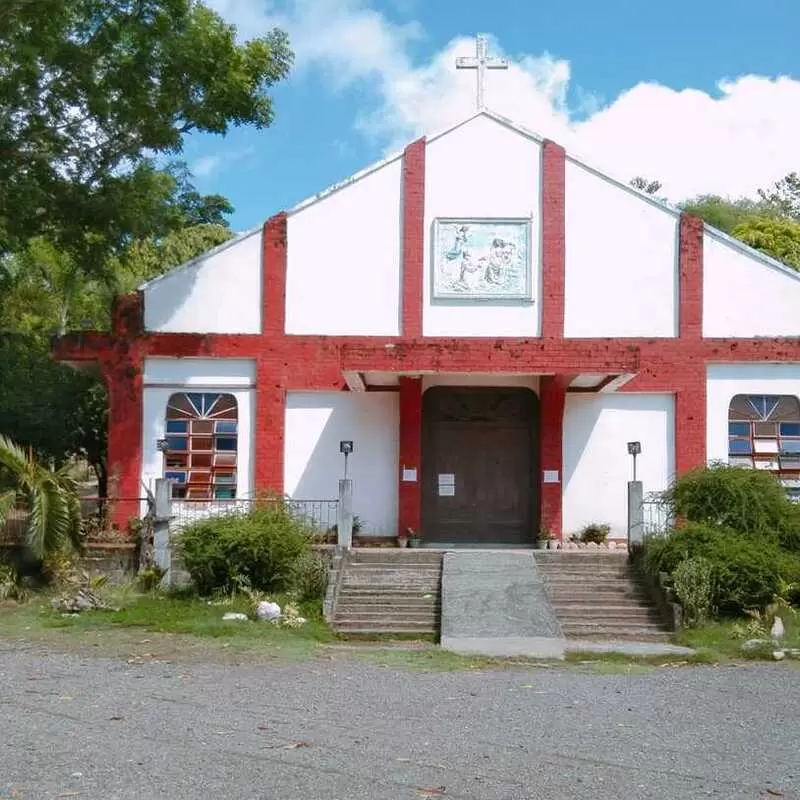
x=634 y=449
x=345 y=447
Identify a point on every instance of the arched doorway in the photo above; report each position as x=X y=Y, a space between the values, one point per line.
x=479 y=465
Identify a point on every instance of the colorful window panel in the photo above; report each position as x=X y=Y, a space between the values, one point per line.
x=764 y=433
x=202 y=436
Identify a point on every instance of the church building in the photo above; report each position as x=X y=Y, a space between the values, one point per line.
x=489 y=320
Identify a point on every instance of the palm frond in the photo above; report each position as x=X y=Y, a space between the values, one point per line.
x=7 y=502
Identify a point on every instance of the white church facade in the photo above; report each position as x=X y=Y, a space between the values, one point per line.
x=488 y=319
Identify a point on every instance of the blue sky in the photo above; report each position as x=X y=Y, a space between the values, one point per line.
x=703 y=95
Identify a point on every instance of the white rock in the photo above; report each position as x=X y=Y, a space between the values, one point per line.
x=754 y=644
x=268 y=611
x=778 y=655
x=234 y=615
x=611 y=545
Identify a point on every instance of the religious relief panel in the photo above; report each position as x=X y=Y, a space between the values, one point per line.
x=482 y=259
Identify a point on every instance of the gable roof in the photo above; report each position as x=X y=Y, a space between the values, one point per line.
x=522 y=130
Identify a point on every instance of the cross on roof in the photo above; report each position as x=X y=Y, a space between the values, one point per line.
x=481 y=62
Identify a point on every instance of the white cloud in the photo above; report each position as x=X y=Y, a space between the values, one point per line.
x=206 y=165
x=742 y=138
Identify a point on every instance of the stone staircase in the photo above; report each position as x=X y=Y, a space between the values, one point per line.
x=598 y=595
x=386 y=590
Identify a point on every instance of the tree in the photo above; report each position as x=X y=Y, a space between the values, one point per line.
x=58 y=412
x=50 y=498
x=784 y=196
x=720 y=212
x=779 y=238
x=645 y=185
x=92 y=92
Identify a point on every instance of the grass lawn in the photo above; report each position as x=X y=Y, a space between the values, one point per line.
x=179 y=627
x=724 y=639
x=173 y=618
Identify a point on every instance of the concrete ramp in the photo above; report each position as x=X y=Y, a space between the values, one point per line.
x=494 y=603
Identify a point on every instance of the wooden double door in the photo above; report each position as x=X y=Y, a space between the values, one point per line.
x=479 y=466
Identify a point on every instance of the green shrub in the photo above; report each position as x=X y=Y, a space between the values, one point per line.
x=595 y=533
x=693 y=581
x=749 y=501
x=789 y=531
x=663 y=554
x=11 y=587
x=747 y=573
x=310 y=577
x=261 y=547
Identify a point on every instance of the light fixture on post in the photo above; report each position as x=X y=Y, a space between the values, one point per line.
x=634 y=449
x=345 y=447
x=162 y=445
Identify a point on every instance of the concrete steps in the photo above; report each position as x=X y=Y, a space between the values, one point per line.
x=385 y=591
x=598 y=596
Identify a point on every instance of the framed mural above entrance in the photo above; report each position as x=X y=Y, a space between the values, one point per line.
x=481 y=260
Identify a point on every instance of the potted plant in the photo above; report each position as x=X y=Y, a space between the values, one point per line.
x=542 y=539
x=413 y=538
x=595 y=533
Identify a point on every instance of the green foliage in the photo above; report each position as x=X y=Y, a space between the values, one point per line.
x=99 y=89
x=148 y=258
x=746 y=500
x=261 y=546
x=784 y=196
x=310 y=577
x=747 y=572
x=693 y=581
x=779 y=238
x=720 y=212
x=595 y=533
x=665 y=553
x=50 y=498
x=148 y=580
x=11 y=587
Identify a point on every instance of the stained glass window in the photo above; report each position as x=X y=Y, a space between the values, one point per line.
x=202 y=437
x=764 y=433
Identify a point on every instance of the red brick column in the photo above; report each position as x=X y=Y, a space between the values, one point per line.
x=691 y=278
x=552 y=397
x=690 y=420
x=122 y=369
x=270 y=424
x=553 y=237
x=410 y=492
x=690 y=374
x=273 y=290
x=413 y=238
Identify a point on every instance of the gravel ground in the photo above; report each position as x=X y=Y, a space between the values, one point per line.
x=85 y=727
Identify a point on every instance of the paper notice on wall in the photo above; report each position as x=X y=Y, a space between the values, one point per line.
x=447 y=484
x=409 y=475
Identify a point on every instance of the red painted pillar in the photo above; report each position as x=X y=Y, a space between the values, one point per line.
x=553 y=240
x=690 y=398
x=553 y=394
x=270 y=426
x=122 y=370
x=413 y=238
x=690 y=420
x=410 y=492
x=273 y=315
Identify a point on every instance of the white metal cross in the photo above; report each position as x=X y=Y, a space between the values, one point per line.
x=481 y=62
